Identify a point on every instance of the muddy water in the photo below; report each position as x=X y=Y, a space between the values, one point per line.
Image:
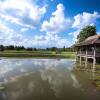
x=45 y=79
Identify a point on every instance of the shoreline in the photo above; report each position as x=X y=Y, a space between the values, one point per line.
x=38 y=57
x=65 y=55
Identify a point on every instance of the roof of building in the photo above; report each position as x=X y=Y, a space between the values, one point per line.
x=89 y=41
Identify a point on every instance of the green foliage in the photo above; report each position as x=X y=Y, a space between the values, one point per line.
x=29 y=49
x=34 y=49
x=58 y=50
x=1 y=48
x=69 y=49
x=54 y=49
x=13 y=48
x=18 y=48
x=64 y=49
x=87 y=31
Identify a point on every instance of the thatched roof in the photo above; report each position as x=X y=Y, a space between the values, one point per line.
x=89 y=41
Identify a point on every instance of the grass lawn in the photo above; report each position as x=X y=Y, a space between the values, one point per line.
x=44 y=54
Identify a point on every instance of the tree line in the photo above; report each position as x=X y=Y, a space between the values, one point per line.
x=22 y=48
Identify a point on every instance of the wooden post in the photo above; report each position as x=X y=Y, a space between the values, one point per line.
x=80 y=58
x=94 y=59
x=76 y=56
x=86 y=58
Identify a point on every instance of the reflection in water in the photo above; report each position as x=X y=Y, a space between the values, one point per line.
x=44 y=79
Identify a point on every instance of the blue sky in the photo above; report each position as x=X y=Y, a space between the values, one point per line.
x=46 y=23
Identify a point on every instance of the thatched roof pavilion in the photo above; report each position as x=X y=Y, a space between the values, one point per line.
x=90 y=48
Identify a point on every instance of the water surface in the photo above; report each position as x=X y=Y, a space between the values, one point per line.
x=45 y=79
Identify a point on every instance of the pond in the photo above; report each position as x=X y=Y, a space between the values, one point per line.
x=45 y=79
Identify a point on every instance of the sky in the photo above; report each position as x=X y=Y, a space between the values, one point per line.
x=46 y=23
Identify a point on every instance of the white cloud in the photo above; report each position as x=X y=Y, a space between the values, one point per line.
x=85 y=19
x=74 y=34
x=24 y=29
x=50 y=40
x=8 y=36
x=58 y=22
x=22 y=12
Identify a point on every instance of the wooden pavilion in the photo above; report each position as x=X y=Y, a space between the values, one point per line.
x=88 y=49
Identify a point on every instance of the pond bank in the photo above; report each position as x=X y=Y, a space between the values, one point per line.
x=38 y=55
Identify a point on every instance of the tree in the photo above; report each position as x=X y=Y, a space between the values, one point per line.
x=34 y=49
x=64 y=48
x=10 y=47
x=47 y=49
x=54 y=48
x=1 y=48
x=29 y=49
x=18 y=48
x=87 y=31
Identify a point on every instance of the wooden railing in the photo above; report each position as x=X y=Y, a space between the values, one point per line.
x=89 y=53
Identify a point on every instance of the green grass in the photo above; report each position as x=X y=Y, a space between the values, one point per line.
x=14 y=51
x=44 y=54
